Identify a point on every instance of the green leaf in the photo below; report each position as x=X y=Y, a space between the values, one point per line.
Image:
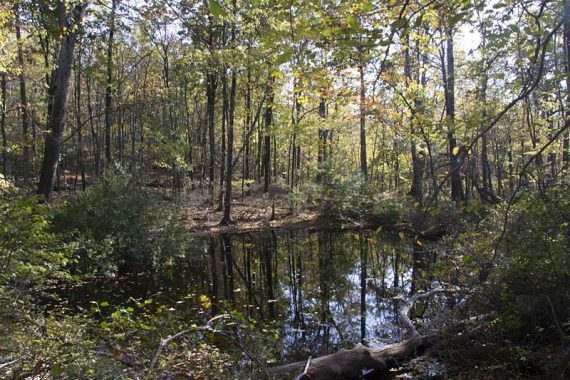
x=285 y=57
x=367 y=6
x=216 y=8
x=455 y=19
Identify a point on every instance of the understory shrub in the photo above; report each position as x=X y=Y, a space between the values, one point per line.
x=344 y=197
x=118 y=224
x=516 y=319
x=29 y=251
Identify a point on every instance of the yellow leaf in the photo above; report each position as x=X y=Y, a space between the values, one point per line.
x=402 y=235
x=455 y=151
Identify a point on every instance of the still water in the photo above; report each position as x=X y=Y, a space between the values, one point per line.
x=320 y=291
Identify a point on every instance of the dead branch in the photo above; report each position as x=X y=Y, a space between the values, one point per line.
x=348 y=364
x=165 y=342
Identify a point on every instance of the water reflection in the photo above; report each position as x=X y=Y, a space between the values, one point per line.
x=323 y=290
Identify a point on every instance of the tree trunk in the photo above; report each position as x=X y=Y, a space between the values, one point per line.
x=363 y=155
x=456 y=186
x=211 y=105
x=94 y=130
x=348 y=364
x=3 y=126
x=23 y=101
x=566 y=140
x=416 y=189
x=229 y=157
x=109 y=86
x=80 y=161
x=223 y=137
x=267 y=137
x=59 y=87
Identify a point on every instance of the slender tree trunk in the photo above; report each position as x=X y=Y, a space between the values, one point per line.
x=246 y=158
x=456 y=186
x=211 y=105
x=23 y=101
x=223 y=137
x=3 y=126
x=109 y=86
x=363 y=155
x=416 y=189
x=94 y=130
x=566 y=139
x=485 y=166
x=323 y=139
x=230 y=147
x=267 y=137
x=80 y=159
x=60 y=89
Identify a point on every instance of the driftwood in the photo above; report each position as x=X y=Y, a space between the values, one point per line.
x=348 y=364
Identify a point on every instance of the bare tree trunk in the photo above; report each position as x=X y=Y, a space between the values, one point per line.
x=363 y=155
x=211 y=99
x=3 y=126
x=229 y=157
x=94 y=131
x=23 y=101
x=566 y=140
x=60 y=89
x=267 y=137
x=416 y=189
x=449 y=77
x=109 y=86
x=223 y=137
x=80 y=159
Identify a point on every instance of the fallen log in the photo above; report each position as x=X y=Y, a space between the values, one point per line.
x=349 y=364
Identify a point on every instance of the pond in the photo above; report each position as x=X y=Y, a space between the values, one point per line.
x=320 y=291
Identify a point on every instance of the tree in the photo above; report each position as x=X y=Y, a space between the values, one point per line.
x=59 y=91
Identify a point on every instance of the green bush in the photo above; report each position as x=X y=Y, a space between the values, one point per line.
x=344 y=197
x=118 y=224
x=29 y=252
x=535 y=291
x=518 y=274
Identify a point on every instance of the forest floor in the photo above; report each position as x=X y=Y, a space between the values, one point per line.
x=252 y=214
x=255 y=212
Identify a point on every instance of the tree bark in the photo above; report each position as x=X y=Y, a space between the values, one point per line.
x=267 y=137
x=211 y=105
x=456 y=186
x=416 y=189
x=23 y=101
x=229 y=156
x=348 y=364
x=59 y=87
x=80 y=159
x=109 y=85
x=566 y=139
x=363 y=155
x=3 y=126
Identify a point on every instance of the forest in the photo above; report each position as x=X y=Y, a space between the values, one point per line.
x=285 y=189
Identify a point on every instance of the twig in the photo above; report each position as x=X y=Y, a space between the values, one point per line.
x=168 y=340
x=9 y=363
x=409 y=303
x=304 y=375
